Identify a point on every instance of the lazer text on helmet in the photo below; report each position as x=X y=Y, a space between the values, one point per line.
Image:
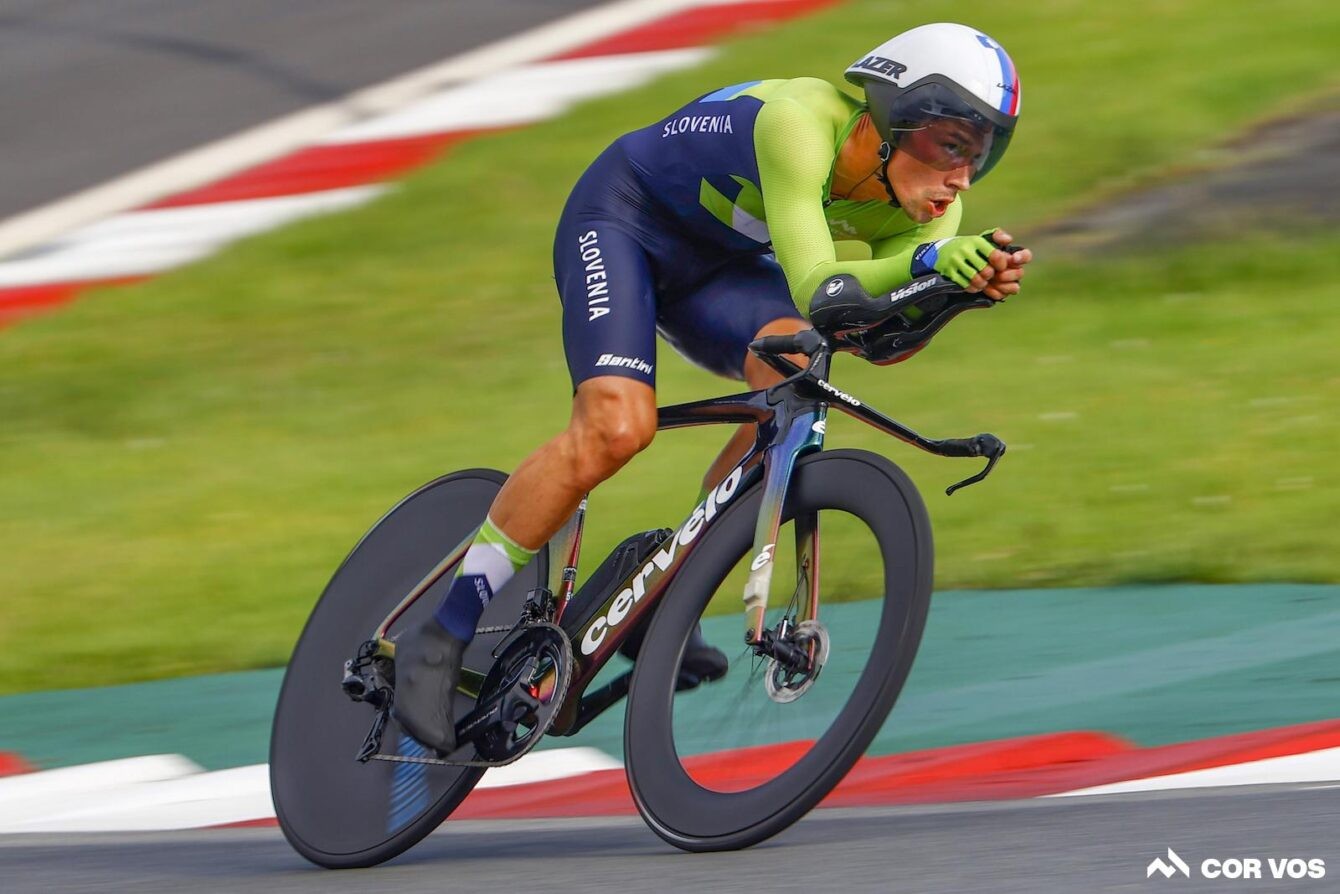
x=880 y=65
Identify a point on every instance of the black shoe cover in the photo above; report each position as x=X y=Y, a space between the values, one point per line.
x=703 y=662
x=427 y=669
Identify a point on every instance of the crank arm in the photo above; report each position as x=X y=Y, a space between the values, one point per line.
x=493 y=711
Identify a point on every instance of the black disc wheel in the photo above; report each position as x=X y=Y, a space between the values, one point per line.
x=336 y=811
x=734 y=761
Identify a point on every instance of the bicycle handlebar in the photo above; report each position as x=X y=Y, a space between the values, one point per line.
x=988 y=445
x=978 y=445
x=806 y=341
x=883 y=329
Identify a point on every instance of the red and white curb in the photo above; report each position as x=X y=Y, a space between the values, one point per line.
x=169 y=792
x=336 y=157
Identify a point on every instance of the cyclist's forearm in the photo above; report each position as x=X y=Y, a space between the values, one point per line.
x=876 y=276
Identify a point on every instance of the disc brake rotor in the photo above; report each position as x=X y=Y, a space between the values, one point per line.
x=783 y=684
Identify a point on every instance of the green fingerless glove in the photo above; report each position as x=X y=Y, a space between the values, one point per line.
x=957 y=258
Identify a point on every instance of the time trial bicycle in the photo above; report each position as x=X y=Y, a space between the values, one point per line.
x=711 y=765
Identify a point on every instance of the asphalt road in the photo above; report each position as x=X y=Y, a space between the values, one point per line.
x=1095 y=844
x=92 y=89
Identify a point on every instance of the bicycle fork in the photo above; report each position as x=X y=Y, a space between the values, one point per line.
x=804 y=434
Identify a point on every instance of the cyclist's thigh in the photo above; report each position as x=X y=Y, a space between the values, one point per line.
x=609 y=304
x=713 y=324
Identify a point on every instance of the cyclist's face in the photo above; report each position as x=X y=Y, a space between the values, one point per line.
x=931 y=166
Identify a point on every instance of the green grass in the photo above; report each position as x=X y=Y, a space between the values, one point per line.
x=186 y=461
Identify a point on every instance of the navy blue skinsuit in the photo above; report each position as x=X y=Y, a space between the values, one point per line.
x=637 y=252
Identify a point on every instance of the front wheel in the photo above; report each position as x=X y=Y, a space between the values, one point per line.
x=738 y=760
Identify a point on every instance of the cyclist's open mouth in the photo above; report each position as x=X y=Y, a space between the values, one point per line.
x=940 y=206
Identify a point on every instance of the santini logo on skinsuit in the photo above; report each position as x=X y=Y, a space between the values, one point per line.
x=619 y=608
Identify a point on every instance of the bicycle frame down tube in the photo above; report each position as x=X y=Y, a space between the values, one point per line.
x=635 y=595
x=597 y=641
x=804 y=433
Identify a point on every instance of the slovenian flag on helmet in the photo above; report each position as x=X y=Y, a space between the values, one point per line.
x=1009 y=77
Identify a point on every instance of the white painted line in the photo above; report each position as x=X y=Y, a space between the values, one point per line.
x=171 y=792
x=543 y=766
x=32 y=794
x=251 y=147
x=1315 y=766
x=140 y=242
x=520 y=96
x=201 y=799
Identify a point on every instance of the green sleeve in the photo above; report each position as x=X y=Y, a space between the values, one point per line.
x=902 y=245
x=795 y=154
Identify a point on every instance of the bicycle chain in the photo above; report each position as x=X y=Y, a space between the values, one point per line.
x=439 y=762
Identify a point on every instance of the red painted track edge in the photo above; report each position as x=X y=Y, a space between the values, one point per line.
x=12 y=765
x=1024 y=767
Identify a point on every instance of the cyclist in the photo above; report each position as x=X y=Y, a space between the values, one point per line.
x=715 y=226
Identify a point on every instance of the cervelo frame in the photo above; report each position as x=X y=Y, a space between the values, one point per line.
x=791 y=418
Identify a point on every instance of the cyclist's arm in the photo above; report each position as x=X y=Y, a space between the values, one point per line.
x=795 y=153
x=904 y=244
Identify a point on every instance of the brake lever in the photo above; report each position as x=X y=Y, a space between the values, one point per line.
x=990 y=446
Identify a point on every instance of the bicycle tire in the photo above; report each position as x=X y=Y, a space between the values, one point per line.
x=334 y=811
x=677 y=807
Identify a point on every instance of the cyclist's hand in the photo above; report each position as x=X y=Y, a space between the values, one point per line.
x=1000 y=277
x=959 y=258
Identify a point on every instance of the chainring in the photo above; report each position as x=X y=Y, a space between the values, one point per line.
x=531 y=677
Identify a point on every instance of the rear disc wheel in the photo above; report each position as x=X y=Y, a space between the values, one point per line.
x=335 y=811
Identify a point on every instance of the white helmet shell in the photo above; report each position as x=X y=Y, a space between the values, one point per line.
x=958 y=53
x=942 y=70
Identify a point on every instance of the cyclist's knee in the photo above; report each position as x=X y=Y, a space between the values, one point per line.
x=613 y=419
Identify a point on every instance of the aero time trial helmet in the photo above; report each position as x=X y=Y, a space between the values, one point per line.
x=942 y=77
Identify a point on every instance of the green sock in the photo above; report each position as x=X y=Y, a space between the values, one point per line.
x=491 y=561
